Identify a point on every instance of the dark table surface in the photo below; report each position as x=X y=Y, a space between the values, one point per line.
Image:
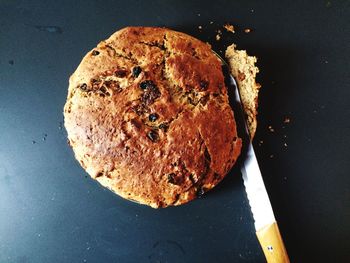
x=50 y=211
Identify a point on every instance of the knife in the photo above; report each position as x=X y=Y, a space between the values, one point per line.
x=264 y=220
x=265 y=223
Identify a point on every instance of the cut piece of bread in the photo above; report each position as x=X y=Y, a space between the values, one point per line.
x=243 y=69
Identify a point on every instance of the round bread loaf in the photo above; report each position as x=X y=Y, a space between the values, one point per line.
x=147 y=115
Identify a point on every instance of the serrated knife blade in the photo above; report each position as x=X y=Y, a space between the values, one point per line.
x=264 y=220
x=265 y=223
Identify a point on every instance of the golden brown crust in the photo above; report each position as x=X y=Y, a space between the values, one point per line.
x=243 y=68
x=147 y=116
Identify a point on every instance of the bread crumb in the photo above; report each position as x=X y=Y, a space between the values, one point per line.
x=271 y=129
x=286 y=120
x=271 y=156
x=261 y=142
x=211 y=22
x=218 y=35
x=200 y=27
x=229 y=28
x=198 y=14
x=285 y=144
x=247 y=30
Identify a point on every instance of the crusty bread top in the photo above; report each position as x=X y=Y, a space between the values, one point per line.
x=147 y=115
x=243 y=69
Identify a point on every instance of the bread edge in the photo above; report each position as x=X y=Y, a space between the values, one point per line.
x=243 y=69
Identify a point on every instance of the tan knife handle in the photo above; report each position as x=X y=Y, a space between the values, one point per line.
x=272 y=244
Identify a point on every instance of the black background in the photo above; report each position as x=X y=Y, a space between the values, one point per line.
x=51 y=212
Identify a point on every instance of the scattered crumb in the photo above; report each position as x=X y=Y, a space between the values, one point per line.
x=198 y=14
x=261 y=142
x=200 y=27
x=229 y=28
x=271 y=129
x=271 y=156
x=326 y=61
x=252 y=10
x=284 y=136
x=285 y=178
x=33 y=142
x=218 y=35
x=247 y=30
x=285 y=144
x=286 y=120
x=211 y=22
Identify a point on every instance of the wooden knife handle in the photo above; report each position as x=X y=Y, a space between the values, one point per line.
x=272 y=244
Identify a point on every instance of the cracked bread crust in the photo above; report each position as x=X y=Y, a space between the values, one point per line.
x=147 y=115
